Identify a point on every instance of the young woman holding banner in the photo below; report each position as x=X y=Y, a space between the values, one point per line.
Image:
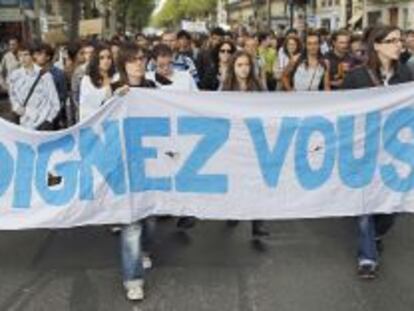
x=382 y=69
x=241 y=77
x=134 y=237
x=95 y=87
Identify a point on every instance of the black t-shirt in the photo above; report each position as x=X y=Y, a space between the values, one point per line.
x=146 y=84
x=337 y=65
x=405 y=56
x=360 y=77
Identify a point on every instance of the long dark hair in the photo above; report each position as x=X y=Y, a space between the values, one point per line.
x=303 y=58
x=93 y=67
x=231 y=83
x=128 y=53
x=304 y=54
x=297 y=41
x=216 y=51
x=377 y=35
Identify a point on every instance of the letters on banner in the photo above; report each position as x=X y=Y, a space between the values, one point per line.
x=215 y=156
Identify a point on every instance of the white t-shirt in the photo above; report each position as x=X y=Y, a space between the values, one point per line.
x=181 y=81
x=307 y=78
x=92 y=98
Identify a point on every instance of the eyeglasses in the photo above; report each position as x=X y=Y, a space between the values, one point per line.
x=225 y=51
x=392 y=41
x=136 y=59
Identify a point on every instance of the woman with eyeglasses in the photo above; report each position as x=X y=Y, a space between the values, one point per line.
x=95 y=87
x=382 y=68
x=216 y=73
x=136 y=236
x=241 y=77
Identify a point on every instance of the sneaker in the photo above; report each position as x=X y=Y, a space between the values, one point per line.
x=134 y=290
x=367 y=271
x=146 y=262
x=116 y=230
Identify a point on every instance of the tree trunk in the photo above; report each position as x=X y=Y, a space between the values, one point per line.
x=125 y=15
x=74 y=21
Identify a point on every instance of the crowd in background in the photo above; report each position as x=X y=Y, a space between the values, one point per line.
x=50 y=88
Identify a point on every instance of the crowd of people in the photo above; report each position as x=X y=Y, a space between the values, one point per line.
x=51 y=88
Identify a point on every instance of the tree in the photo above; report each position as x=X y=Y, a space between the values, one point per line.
x=134 y=13
x=176 y=10
x=139 y=13
x=74 y=19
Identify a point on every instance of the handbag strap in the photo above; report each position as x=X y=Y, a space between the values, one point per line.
x=374 y=77
x=32 y=88
x=313 y=78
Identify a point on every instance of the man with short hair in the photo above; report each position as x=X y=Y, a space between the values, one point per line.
x=251 y=46
x=9 y=63
x=185 y=44
x=339 y=58
x=39 y=110
x=87 y=49
x=206 y=55
x=165 y=76
x=43 y=57
x=181 y=62
x=141 y=40
x=407 y=57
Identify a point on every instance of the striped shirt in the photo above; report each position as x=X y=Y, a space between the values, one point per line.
x=44 y=103
x=181 y=62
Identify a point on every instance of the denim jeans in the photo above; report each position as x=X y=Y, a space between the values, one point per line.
x=131 y=252
x=136 y=239
x=370 y=229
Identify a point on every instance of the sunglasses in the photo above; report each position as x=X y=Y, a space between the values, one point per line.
x=225 y=51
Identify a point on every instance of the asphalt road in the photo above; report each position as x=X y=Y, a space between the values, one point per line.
x=304 y=265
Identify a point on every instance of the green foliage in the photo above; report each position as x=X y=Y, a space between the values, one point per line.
x=176 y=10
x=135 y=13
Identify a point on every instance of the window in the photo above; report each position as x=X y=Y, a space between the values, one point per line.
x=406 y=24
x=374 y=18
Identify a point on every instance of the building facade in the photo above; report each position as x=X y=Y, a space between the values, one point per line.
x=18 y=18
x=329 y=14
x=258 y=14
x=390 y=12
x=357 y=14
x=56 y=17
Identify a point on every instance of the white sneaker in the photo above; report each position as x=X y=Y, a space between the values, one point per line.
x=116 y=229
x=134 y=290
x=146 y=262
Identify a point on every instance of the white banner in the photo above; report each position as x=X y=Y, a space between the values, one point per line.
x=215 y=156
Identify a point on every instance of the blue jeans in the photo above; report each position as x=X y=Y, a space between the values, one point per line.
x=131 y=252
x=135 y=240
x=370 y=229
